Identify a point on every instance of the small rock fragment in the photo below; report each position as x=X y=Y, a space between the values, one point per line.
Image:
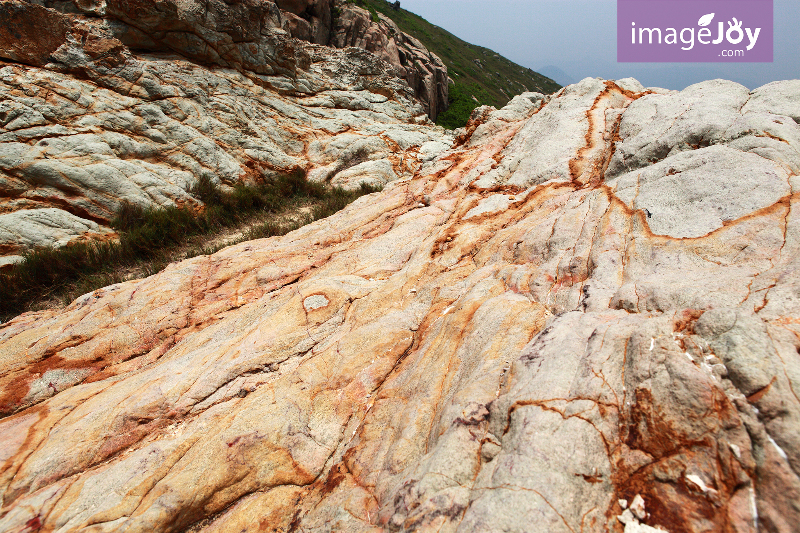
x=637 y=507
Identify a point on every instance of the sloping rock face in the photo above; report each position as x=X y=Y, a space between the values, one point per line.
x=236 y=34
x=343 y=24
x=424 y=71
x=97 y=124
x=582 y=317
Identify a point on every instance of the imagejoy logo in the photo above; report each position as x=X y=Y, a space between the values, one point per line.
x=664 y=30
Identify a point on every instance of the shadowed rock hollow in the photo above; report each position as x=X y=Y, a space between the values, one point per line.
x=583 y=316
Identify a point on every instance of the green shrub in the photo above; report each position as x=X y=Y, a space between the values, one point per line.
x=461 y=105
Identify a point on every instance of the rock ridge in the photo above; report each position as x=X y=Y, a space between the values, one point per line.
x=116 y=101
x=244 y=35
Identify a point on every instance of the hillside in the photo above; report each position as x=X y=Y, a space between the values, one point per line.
x=476 y=71
x=74 y=151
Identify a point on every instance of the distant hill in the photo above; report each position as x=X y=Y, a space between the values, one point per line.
x=557 y=75
x=480 y=75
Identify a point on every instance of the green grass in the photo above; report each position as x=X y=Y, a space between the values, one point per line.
x=494 y=82
x=461 y=105
x=361 y=3
x=148 y=235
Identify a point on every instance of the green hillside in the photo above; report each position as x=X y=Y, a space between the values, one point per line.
x=477 y=71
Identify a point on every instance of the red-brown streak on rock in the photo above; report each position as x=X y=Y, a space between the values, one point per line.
x=543 y=404
x=10 y=249
x=513 y=214
x=688 y=318
x=676 y=506
x=771 y=210
x=77 y=210
x=335 y=476
x=765 y=301
x=349 y=460
x=773 y=137
x=591 y=479
x=466 y=314
x=597 y=178
x=575 y=164
x=295 y=523
x=661 y=439
x=266 y=525
x=471 y=126
x=663 y=443
x=756 y=396
x=599 y=171
x=17 y=388
x=131 y=433
x=30 y=436
x=486 y=191
x=35 y=523
x=393 y=145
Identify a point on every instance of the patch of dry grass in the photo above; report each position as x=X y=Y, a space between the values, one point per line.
x=150 y=239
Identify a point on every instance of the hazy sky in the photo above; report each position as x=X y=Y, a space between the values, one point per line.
x=579 y=37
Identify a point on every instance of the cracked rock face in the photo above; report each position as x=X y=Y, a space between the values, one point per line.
x=517 y=337
x=99 y=121
x=424 y=71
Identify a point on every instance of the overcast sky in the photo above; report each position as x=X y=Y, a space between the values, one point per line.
x=579 y=37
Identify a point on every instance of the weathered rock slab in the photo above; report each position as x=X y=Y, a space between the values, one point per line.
x=498 y=343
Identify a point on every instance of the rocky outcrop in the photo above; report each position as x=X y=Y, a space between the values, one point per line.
x=582 y=317
x=425 y=73
x=343 y=24
x=309 y=20
x=100 y=121
x=235 y=34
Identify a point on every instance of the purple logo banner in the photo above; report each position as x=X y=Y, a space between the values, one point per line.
x=738 y=31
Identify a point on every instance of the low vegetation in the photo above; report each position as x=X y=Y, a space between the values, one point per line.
x=476 y=71
x=361 y=3
x=463 y=100
x=149 y=237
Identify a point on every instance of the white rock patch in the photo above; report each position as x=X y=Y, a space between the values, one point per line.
x=44 y=227
x=314 y=302
x=493 y=204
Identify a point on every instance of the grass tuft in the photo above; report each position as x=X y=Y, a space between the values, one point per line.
x=147 y=237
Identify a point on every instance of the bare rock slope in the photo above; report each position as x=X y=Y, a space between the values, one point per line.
x=109 y=101
x=584 y=316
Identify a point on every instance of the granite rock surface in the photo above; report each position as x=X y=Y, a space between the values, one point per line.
x=126 y=106
x=424 y=71
x=583 y=316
